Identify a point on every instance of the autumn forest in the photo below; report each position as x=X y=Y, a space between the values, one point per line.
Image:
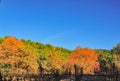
x=19 y=56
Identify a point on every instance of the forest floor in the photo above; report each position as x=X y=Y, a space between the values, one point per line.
x=70 y=78
x=90 y=78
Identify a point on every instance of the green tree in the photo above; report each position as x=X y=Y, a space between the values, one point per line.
x=1 y=40
x=116 y=49
x=105 y=59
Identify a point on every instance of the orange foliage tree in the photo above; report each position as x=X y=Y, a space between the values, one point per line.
x=10 y=51
x=17 y=56
x=85 y=58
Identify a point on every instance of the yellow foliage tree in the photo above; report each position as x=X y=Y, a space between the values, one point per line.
x=53 y=62
x=31 y=58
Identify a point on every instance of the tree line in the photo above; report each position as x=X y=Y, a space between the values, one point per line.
x=26 y=56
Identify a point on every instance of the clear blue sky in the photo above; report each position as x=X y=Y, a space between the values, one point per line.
x=64 y=23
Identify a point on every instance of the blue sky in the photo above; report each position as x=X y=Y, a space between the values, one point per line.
x=64 y=23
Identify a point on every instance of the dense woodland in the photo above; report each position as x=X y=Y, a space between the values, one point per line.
x=26 y=56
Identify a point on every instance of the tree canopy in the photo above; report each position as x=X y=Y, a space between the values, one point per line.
x=22 y=56
x=85 y=58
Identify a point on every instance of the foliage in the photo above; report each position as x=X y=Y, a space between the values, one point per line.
x=105 y=56
x=26 y=56
x=55 y=60
x=16 y=55
x=116 y=49
x=105 y=59
x=116 y=55
x=1 y=40
x=10 y=52
x=85 y=58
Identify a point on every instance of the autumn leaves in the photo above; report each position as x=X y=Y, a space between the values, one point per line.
x=17 y=57
x=85 y=58
x=20 y=57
